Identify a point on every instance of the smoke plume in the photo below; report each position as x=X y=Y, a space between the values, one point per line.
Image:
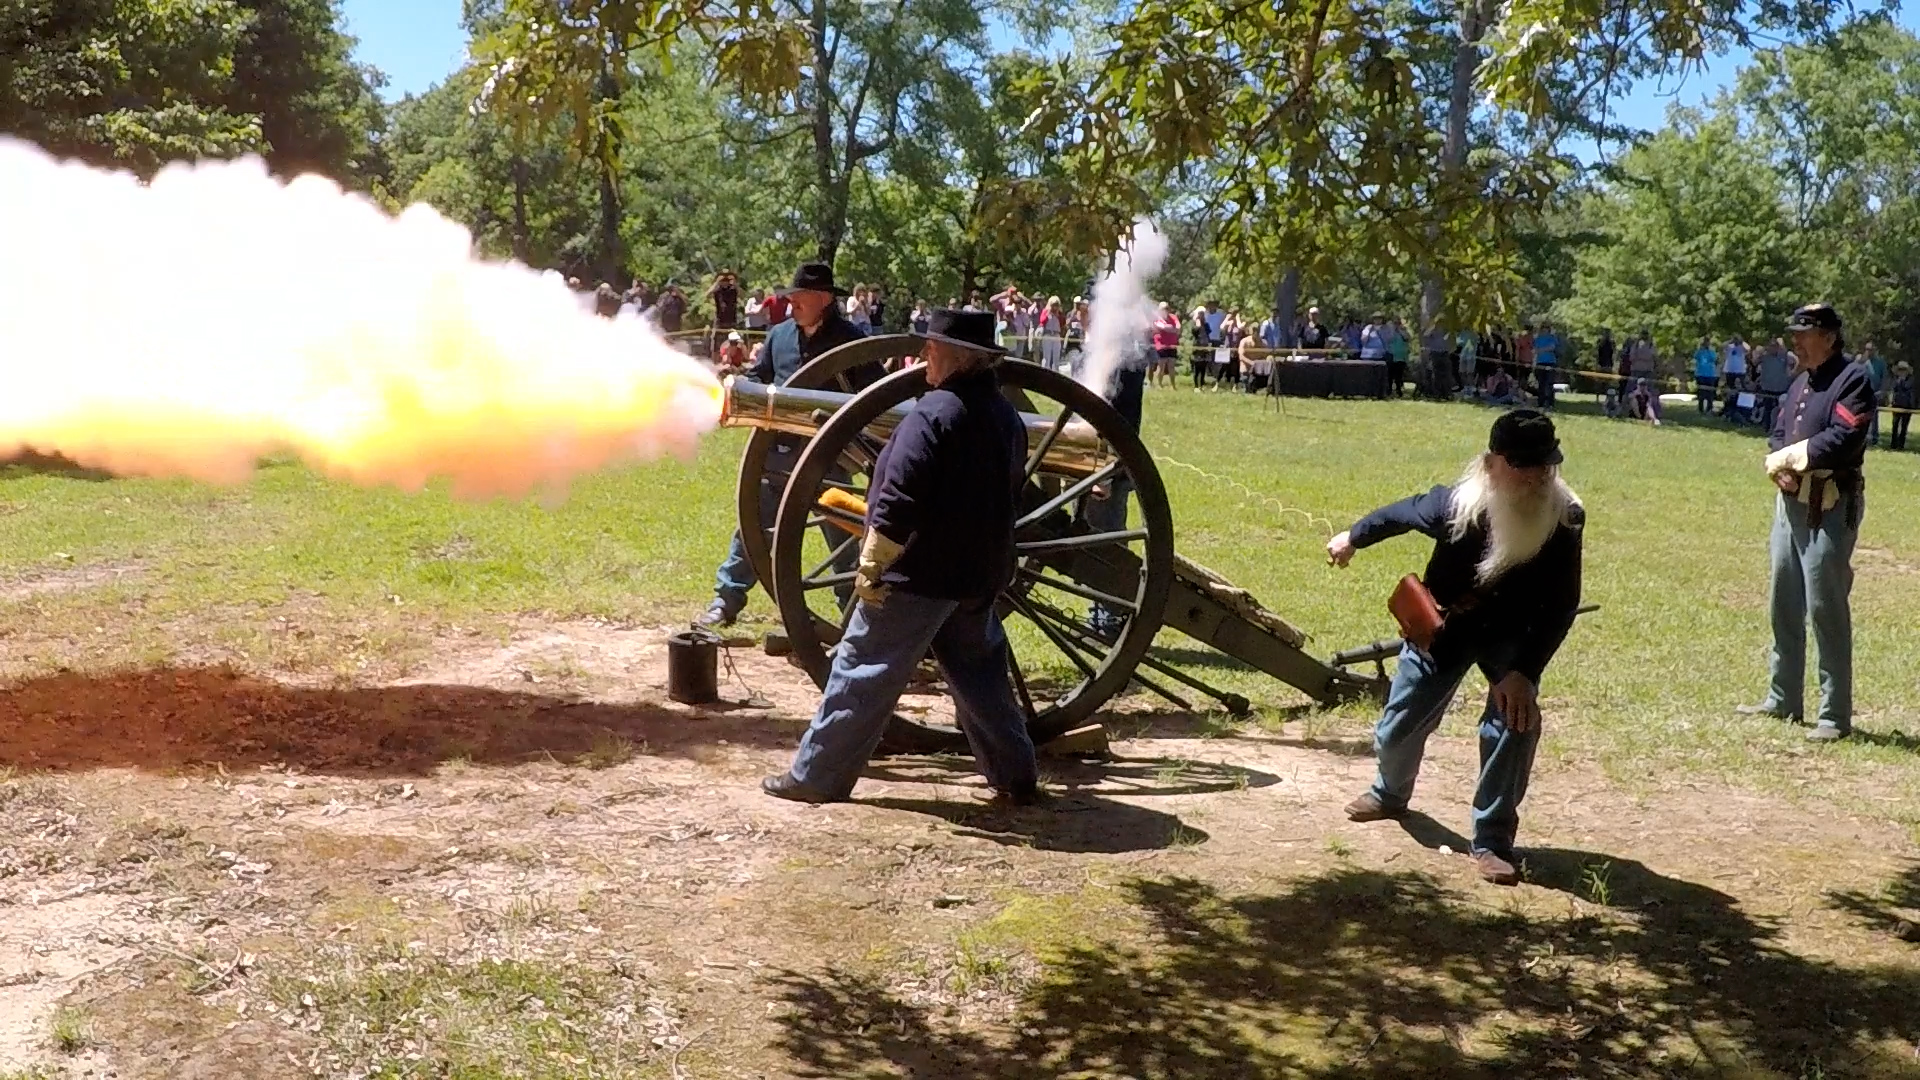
x=189 y=326
x=1121 y=314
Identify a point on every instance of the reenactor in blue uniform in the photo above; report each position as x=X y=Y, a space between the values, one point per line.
x=938 y=550
x=1818 y=444
x=818 y=324
x=1505 y=575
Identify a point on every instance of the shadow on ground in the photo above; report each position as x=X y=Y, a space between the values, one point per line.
x=1073 y=823
x=178 y=718
x=1894 y=909
x=1113 y=776
x=1360 y=973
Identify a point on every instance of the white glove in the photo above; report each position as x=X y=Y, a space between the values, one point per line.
x=876 y=554
x=1788 y=459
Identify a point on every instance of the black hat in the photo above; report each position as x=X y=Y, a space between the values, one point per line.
x=967 y=329
x=1814 y=317
x=814 y=276
x=1525 y=438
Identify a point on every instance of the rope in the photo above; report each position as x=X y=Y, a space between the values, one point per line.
x=1283 y=508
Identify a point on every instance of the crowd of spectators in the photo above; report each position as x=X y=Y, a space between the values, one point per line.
x=1226 y=350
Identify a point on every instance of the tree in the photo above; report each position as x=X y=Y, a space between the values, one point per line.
x=1698 y=241
x=1339 y=129
x=1840 y=124
x=138 y=83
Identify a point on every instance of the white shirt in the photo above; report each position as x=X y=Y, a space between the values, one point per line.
x=1736 y=359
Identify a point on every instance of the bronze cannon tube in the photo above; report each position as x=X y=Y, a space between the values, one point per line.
x=1077 y=451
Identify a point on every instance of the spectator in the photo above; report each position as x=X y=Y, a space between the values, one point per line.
x=1603 y=360
x=1741 y=401
x=1466 y=362
x=973 y=302
x=1734 y=362
x=671 y=310
x=641 y=296
x=725 y=294
x=1523 y=351
x=1314 y=334
x=1350 y=337
x=733 y=355
x=1166 y=344
x=1776 y=375
x=1399 y=350
x=920 y=318
x=1644 y=402
x=1201 y=358
x=1877 y=379
x=877 y=308
x=1546 y=362
x=1077 y=324
x=1226 y=359
x=606 y=302
x=1500 y=389
x=1373 y=347
x=1612 y=403
x=1643 y=360
x=858 y=313
x=1706 y=376
x=1904 y=399
x=778 y=308
x=757 y=312
x=1051 y=326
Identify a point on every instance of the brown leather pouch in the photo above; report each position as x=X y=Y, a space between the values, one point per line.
x=1413 y=608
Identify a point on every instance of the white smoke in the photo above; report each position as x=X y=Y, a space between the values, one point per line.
x=1122 y=313
x=187 y=326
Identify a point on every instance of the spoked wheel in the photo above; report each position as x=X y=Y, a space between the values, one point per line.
x=1064 y=667
x=828 y=371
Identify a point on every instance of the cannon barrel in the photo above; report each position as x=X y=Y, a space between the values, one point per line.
x=1078 y=449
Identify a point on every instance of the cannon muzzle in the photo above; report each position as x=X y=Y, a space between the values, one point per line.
x=1077 y=451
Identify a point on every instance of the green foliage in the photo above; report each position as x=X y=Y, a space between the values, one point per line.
x=137 y=83
x=1697 y=241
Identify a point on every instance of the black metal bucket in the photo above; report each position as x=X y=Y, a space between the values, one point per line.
x=693 y=667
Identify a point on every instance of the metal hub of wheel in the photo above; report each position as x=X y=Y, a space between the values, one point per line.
x=1066 y=662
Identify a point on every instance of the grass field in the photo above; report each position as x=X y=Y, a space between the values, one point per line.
x=1711 y=894
x=1676 y=557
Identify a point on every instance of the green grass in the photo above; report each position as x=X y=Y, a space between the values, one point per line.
x=1676 y=557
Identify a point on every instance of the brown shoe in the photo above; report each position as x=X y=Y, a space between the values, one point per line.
x=1495 y=869
x=1368 y=807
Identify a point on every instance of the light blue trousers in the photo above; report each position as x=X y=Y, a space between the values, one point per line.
x=1812 y=579
x=871 y=666
x=1422 y=689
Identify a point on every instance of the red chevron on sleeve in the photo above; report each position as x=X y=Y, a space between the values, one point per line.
x=1846 y=416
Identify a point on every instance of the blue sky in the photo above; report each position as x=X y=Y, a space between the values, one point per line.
x=418 y=42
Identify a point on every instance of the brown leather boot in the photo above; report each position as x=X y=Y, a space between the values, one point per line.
x=1368 y=807
x=1495 y=869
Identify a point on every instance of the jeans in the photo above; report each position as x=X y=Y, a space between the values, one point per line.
x=1900 y=422
x=1812 y=576
x=735 y=578
x=1768 y=403
x=871 y=666
x=1422 y=689
x=1107 y=515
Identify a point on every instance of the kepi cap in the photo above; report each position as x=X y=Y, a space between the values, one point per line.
x=1525 y=438
x=1814 y=317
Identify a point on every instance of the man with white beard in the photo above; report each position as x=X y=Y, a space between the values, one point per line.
x=1505 y=575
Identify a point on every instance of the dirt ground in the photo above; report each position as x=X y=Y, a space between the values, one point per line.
x=525 y=861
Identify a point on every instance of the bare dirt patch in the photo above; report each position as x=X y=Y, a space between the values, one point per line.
x=521 y=860
x=70 y=579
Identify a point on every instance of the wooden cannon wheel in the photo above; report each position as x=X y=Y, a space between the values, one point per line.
x=826 y=372
x=1063 y=563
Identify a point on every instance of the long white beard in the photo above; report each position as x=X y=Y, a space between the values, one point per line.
x=1518 y=524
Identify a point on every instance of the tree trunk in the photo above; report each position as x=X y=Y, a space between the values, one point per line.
x=1286 y=304
x=609 y=155
x=1453 y=154
x=827 y=235
x=522 y=235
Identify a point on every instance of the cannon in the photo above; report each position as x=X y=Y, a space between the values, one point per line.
x=1080 y=450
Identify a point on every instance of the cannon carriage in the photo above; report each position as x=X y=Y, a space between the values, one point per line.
x=803 y=481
